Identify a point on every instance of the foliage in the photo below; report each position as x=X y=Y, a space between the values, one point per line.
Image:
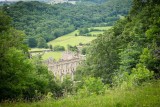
x=140 y=74
x=51 y=47
x=84 y=50
x=102 y=56
x=128 y=58
x=91 y=86
x=72 y=48
x=4 y=22
x=67 y=85
x=32 y=42
x=15 y=74
x=41 y=43
x=83 y=31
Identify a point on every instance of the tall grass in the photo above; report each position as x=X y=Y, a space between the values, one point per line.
x=146 y=95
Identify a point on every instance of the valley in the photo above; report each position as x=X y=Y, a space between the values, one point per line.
x=92 y=53
x=72 y=39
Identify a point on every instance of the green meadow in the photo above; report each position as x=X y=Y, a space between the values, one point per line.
x=56 y=55
x=45 y=55
x=71 y=39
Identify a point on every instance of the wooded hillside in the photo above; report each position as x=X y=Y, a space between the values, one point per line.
x=38 y=19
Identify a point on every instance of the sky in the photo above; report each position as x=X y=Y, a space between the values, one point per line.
x=19 y=0
x=12 y=0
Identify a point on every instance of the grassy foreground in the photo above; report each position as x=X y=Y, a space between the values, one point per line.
x=147 y=95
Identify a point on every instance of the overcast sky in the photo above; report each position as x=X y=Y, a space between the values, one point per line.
x=19 y=0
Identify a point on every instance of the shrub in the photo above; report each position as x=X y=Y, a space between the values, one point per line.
x=91 y=86
x=140 y=74
x=137 y=76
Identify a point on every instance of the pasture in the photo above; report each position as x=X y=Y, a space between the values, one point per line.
x=71 y=39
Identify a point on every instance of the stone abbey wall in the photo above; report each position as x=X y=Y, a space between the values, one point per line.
x=65 y=66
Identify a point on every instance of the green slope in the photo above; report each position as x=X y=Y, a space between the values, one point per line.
x=71 y=39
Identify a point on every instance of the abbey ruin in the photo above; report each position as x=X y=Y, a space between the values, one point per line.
x=65 y=66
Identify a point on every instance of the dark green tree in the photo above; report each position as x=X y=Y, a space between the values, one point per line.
x=32 y=42
x=41 y=43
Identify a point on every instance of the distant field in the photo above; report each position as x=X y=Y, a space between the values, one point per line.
x=71 y=39
x=55 y=55
x=46 y=55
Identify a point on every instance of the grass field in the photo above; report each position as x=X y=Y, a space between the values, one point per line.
x=71 y=39
x=55 y=55
x=39 y=51
x=146 y=95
